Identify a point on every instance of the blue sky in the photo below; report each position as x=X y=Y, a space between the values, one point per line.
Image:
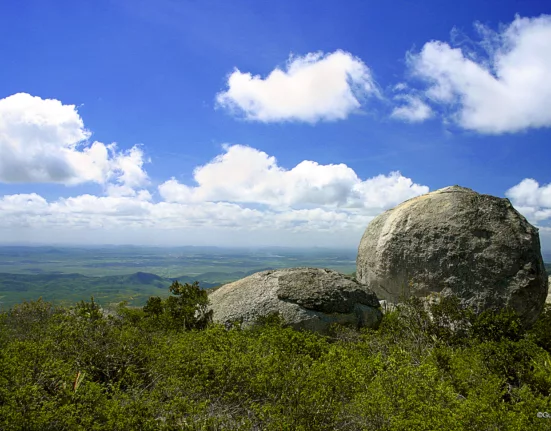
x=265 y=123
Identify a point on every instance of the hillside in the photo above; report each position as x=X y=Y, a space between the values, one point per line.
x=81 y=369
x=135 y=288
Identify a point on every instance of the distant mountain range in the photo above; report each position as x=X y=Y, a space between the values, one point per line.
x=135 y=288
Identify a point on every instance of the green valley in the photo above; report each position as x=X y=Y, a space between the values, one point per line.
x=111 y=274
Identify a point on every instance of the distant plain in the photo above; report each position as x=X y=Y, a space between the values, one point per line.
x=112 y=274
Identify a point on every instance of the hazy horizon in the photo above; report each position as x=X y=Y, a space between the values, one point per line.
x=546 y=253
x=107 y=245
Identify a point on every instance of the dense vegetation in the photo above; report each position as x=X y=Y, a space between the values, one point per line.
x=166 y=367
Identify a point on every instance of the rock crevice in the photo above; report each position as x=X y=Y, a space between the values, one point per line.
x=306 y=298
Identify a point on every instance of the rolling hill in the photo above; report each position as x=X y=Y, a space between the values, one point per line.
x=135 y=288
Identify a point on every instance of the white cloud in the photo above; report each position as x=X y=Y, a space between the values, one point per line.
x=242 y=197
x=414 y=110
x=508 y=90
x=312 y=88
x=100 y=219
x=241 y=192
x=531 y=200
x=401 y=86
x=44 y=141
x=246 y=175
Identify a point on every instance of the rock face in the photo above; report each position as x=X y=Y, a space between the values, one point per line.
x=306 y=298
x=455 y=240
x=548 y=301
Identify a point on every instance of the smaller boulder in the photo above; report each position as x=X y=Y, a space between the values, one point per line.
x=306 y=299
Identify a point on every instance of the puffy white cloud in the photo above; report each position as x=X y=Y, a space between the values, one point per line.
x=246 y=175
x=414 y=110
x=531 y=200
x=45 y=141
x=507 y=90
x=312 y=88
x=128 y=166
x=100 y=220
x=241 y=195
x=123 y=212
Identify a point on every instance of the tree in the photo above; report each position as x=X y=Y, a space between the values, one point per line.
x=90 y=310
x=154 y=306
x=187 y=307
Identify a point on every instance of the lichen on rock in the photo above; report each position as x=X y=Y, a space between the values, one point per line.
x=306 y=298
x=455 y=241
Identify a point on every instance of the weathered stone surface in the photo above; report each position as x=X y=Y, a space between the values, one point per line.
x=549 y=292
x=306 y=298
x=455 y=241
x=387 y=306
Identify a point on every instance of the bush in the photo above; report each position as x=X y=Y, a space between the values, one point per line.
x=81 y=369
x=492 y=325
x=540 y=333
x=187 y=308
x=89 y=310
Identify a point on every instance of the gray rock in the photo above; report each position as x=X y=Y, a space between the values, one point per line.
x=548 y=301
x=386 y=306
x=455 y=241
x=306 y=298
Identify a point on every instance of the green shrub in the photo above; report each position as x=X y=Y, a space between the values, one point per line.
x=491 y=325
x=126 y=369
x=89 y=310
x=540 y=332
x=187 y=308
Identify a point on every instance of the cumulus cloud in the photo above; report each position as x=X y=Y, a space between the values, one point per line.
x=531 y=200
x=45 y=141
x=241 y=194
x=506 y=90
x=313 y=88
x=246 y=175
x=241 y=190
x=108 y=212
x=414 y=110
x=99 y=220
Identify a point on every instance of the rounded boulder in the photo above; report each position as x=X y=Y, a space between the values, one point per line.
x=455 y=241
x=306 y=299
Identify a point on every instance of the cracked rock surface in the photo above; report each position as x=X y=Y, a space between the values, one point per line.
x=306 y=298
x=455 y=241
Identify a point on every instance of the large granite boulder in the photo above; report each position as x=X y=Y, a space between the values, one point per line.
x=455 y=241
x=306 y=298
